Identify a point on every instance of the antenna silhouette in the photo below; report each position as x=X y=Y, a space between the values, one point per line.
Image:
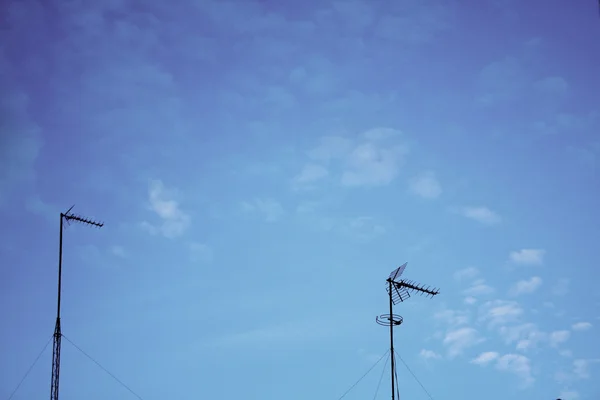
x=399 y=290
x=66 y=217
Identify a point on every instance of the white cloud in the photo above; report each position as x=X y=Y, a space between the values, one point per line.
x=581 y=369
x=269 y=208
x=558 y=337
x=453 y=318
x=425 y=185
x=460 y=339
x=373 y=159
x=371 y=165
x=429 y=355
x=514 y=363
x=331 y=148
x=310 y=174
x=581 y=326
x=562 y=377
x=485 y=358
x=466 y=273
x=470 y=300
x=526 y=336
x=526 y=286
x=482 y=215
x=566 y=353
x=518 y=365
x=527 y=256
x=500 y=312
x=174 y=220
x=363 y=228
x=479 y=288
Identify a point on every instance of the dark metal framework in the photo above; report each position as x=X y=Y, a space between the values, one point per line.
x=398 y=291
x=64 y=217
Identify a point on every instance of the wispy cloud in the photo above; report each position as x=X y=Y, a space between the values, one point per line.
x=372 y=159
x=429 y=355
x=500 y=312
x=372 y=163
x=479 y=288
x=566 y=353
x=526 y=336
x=270 y=209
x=526 y=286
x=331 y=148
x=363 y=228
x=174 y=221
x=517 y=364
x=514 y=363
x=581 y=326
x=482 y=215
x=425 y=185
x=527 y=256
x=466 y=274
x=580 y=370
x=310 y=174
x=558 y=337
x=458 y=340
x=453 y=318
x=470 y=300
x=485 y=358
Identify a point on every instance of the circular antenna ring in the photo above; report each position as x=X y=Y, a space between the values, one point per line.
x=389 y=319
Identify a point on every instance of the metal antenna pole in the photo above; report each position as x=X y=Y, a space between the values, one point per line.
x=399 y=290
x=57 y=332
x=392 y=358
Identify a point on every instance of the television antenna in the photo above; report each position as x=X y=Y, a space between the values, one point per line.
x=398 y=291
x=64 y=217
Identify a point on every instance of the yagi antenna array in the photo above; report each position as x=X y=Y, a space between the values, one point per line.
x=398 y=291
x=77 y=218
x=402 y=288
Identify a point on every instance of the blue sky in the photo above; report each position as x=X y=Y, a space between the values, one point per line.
x=261 y=167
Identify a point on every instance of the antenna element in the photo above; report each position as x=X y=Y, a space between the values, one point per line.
x=399 y=290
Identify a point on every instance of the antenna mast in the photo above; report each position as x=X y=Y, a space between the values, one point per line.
x=67 y=217
x=398 y=291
